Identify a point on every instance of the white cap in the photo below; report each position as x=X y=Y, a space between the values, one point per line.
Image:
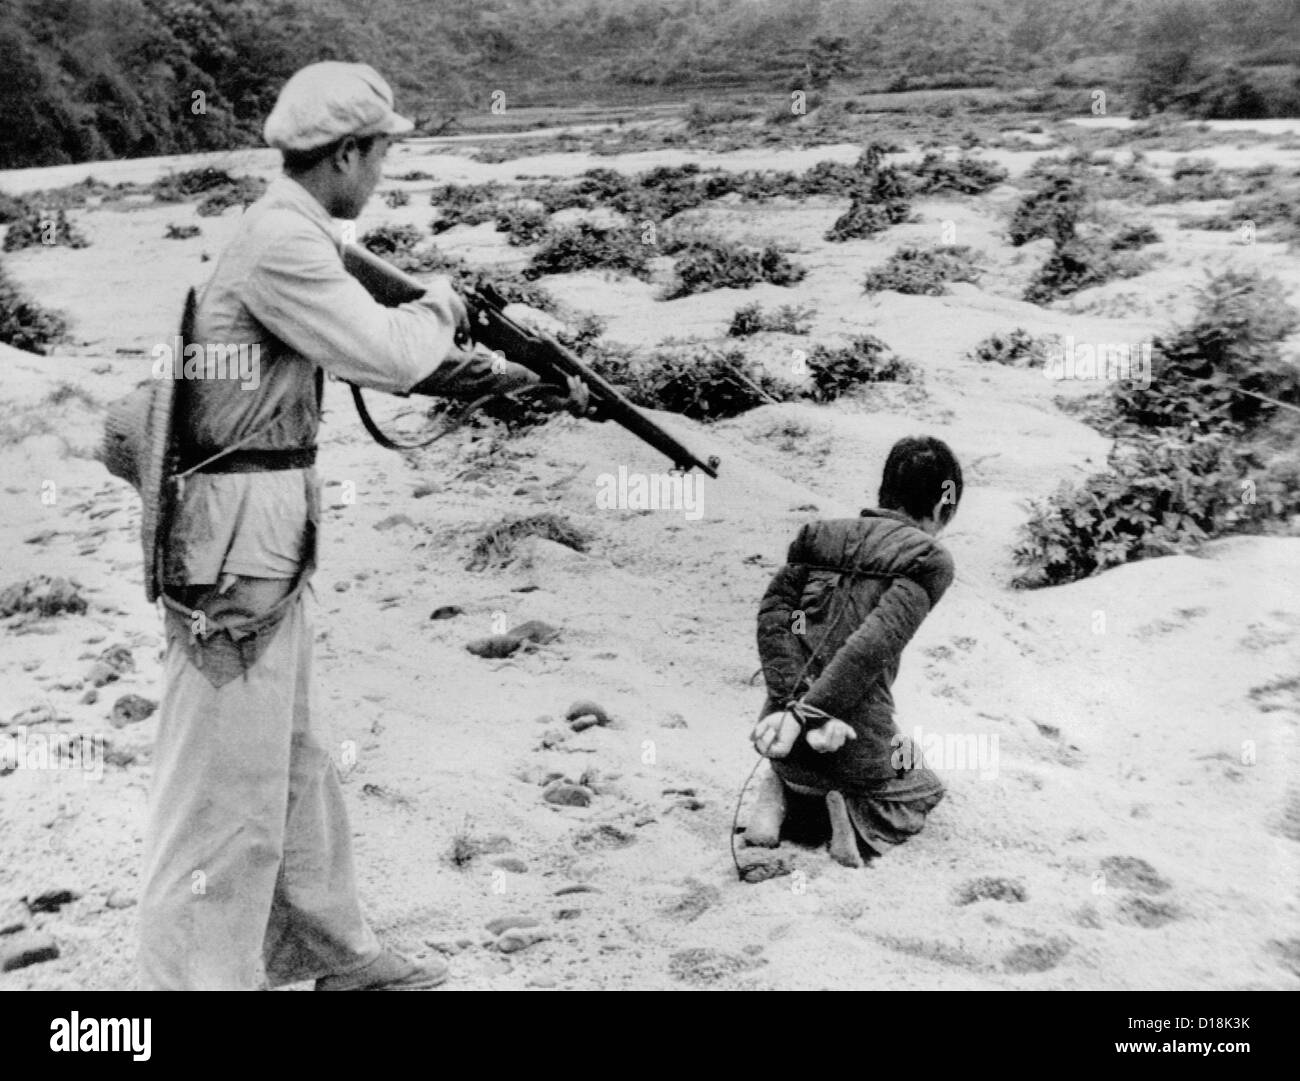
x=324 y=102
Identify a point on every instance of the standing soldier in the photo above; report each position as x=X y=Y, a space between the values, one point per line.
x=248 y=868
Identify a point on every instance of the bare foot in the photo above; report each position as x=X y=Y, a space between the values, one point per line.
x=844 y=840
x=764 y=826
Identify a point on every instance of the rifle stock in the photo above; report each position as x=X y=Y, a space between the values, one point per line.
x=538 y=352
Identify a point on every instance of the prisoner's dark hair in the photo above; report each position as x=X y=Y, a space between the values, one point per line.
x=920 y=472
x=299 y=161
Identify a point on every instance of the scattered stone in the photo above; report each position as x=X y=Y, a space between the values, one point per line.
x=511 y=863
x=567 y=913
x=20 y=950
x=394 y=520
x=581 y=724
x=545 y=718
x=565 y=794
x=586 y=708
x=131 y=709
x=673 y=720
x=422 y=490
x=119 y=899
x=51 y=900
x=542 y=983
x=342 y=586
x=13 y=917
x=42 y=595
x=444 y=945
x=679 y=791
x=507 y=923
x=534 y=630
x=697 y=900
x=687 y=804
x=644 y=820
x=494 y=646
x=464 y=942
x=447 y=611
x=514 y=941
x=69 y=684
x=603 y=837
x=34 y=715
x=577 y=887
x=112 y=664
x=553 y=737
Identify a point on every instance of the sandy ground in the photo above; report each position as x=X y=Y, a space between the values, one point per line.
x=1143 y=803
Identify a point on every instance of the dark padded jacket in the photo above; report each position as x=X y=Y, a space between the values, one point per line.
x=850 y=596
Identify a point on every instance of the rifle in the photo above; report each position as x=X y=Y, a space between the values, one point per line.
x=535 y=350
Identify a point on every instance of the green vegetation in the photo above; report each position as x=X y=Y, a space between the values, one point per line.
x=24 y=324
x=1016 y=349
x=709 y=263
x=1198 y=454
x=787 y=319
x=923 y=271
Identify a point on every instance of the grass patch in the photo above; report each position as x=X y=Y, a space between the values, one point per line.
x=705 y=264
x=588 y=245
x=787 y=319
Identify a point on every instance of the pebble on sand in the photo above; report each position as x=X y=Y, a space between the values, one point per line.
x=13 y=917
x=567 y=795
x=501 y=924
x=520 y=939
x=20 y=950
x=585 y=713
x=511 y=863
x=131 y=709
x=447 y=611
x=112 y=664
x=42 y=595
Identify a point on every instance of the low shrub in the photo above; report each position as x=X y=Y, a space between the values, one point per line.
x=24 y=324
x=707 y=264
x=1051 y=210
x=923 y=271
x=936 y=173
x=397 y=197
x=38 y=229
x=588 y=245
x=752 y=319
x=866 y=359
x=1080 y=263
x=522 y=223
x=1016 y=349
x=181 y=232
x=391 y=239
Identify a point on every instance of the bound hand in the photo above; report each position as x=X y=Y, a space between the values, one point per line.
x=830 y=736
x=774 y=736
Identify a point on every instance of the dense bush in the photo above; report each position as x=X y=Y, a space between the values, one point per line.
x=752 y=319
x=937 y=173
x=464 y=204
x=879 y=198
x=923 y=271
x=1051 y=210
x=397 y=197
x=243 y=192
x=1081 y=263
x=37 y=229
x=1233 y=342
x=708 y=264
x=701 y=382
x=866 y=359
x=1196 y=457
x=1160 y=495
x=522 y=223
x=25 y=324
x=588 y=245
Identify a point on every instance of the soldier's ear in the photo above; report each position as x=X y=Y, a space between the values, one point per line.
x=343 y=153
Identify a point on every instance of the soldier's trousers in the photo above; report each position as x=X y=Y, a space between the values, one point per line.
x=248 y=853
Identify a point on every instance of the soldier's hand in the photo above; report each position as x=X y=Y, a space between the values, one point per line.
x=576 y=398
x=442 y=294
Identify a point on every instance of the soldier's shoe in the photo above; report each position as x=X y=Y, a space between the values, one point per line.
x=390 y=971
